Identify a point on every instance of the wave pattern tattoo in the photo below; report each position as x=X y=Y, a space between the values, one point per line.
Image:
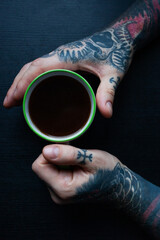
x=118 y=186
x=127 y=191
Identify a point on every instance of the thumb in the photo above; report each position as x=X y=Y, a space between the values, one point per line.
x=68 y=155
x=106 y=92
x=91 y=160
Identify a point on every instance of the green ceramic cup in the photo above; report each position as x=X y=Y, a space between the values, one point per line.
x=41 y=78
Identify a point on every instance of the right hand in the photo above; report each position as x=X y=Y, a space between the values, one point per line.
x=106 y=54
x=92 y=174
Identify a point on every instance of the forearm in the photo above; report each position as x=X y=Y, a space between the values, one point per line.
x=140 y=23
x=137 y=197
x=128 y=191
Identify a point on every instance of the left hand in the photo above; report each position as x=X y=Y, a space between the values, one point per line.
x=89 y=177
x=105 y=54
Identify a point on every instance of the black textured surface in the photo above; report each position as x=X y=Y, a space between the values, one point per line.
x=29 y=29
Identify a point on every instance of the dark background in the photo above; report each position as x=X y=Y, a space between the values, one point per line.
x=29 y=29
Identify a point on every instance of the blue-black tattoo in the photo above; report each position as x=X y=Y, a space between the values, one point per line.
x=113 y=47
x=84 y=157
x=127 y=191
x=115 y=82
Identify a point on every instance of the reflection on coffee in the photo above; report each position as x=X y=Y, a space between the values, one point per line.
x=59 y=106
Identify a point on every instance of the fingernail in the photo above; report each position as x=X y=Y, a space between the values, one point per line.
x=51 y=152
x=109 y=106
x=5 y=100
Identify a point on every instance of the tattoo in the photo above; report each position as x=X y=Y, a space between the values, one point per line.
x=116 y=82
x=127 y=191
x=120 y=185
x=83 y=156
x=113 y=47
x=152 y=216
x=144 y=17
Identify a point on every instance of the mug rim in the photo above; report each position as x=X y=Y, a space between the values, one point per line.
x=70 y=137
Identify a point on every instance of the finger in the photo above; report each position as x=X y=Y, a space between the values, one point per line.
x=58 y=180
x=54 y=196
x=19 y=75
x=16 y=80
x=37 y=67
x=106 y=92
x=63 y=183
x=20 y=87
x=68 y=155
x=44 y=169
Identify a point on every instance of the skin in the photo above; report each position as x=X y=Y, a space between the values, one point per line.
x=107 y=54
x=95 y=175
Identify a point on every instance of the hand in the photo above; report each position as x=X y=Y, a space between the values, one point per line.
x=90 y=176
x=106 y=54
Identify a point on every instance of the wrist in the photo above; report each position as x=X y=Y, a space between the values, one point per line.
x=122 y=49
x=126 y=190
x=141 y=21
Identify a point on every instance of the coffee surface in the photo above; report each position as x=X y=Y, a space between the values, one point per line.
x=59 y=106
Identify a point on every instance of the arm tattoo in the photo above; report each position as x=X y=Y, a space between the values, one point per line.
x=127 y=191
x=83 y=156
x=144 y=17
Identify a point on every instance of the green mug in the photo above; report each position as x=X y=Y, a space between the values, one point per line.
x=43 y=77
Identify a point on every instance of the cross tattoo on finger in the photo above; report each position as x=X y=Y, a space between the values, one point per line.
x=84 y=157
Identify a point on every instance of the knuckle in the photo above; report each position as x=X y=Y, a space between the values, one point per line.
x=63 y=196
x=55 y=200
x=34 y=166
x=37 y=62
x=9 y=92
x=20 y=86
x=26 y=66
x=18 y=90
x=66 y=193
x=110 y=91
x=16 y=97
x=73 y=154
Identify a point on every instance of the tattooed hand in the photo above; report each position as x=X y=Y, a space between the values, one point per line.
x=87 y=168
x=107 y=54
x=95 y=175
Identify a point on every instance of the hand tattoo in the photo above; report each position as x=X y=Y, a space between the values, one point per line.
x=113 y=47
x=83 y=156
x=115 y=82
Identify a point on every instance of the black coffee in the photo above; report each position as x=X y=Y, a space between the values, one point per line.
x=59 y=106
